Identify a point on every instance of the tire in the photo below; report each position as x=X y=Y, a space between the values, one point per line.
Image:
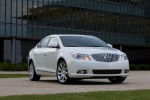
x=117 y=79
x=32 y=74
x=62 y=72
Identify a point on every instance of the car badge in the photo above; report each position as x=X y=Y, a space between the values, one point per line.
x=106 y=56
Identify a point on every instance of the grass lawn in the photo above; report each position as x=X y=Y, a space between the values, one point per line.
x=13 y=75
x=103 y=95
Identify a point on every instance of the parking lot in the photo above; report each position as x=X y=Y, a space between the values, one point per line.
x=49 y=85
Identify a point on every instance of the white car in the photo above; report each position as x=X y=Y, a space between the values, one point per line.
x=77 y=57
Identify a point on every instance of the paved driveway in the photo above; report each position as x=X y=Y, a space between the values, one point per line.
x=49 y=85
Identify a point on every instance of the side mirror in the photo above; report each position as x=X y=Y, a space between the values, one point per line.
x=110 y=45
x=53 y=45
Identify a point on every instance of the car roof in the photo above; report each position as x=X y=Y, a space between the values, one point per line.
x=68 y=35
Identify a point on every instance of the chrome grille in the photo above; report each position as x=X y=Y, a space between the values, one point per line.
x=105 y=57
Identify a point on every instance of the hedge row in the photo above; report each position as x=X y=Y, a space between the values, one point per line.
x=5 y=66
x=140 y=67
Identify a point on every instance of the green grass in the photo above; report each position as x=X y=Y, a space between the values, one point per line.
x=13 y=75
x=103 y=95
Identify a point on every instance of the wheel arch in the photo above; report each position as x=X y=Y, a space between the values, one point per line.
x=30 y=61
x=61 y=58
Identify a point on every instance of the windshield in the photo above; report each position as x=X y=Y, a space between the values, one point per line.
x=82 y=41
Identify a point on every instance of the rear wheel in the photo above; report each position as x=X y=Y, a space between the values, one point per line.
x=117 y=79
x=62 y=72
x=32 y=74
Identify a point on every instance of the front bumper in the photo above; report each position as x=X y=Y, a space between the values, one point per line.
x=75 y=65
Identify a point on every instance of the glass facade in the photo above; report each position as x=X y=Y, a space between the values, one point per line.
x=125 y=22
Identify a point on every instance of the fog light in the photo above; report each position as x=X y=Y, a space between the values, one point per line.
x=79 y=72
x=126 y=71
x=82 y=72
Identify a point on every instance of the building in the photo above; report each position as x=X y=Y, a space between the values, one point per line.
x=123 y=23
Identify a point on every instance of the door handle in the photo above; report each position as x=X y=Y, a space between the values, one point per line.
x=45 y=55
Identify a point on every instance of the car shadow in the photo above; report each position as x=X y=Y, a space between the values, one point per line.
x=82 y=82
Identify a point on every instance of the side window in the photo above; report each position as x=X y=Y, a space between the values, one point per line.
x=53 y=40
x=38 y=45
x=43 y=43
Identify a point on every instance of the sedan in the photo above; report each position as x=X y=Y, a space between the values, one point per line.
x=71 y=57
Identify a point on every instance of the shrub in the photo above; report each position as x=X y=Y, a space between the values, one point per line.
x=5 y=66
x=140 y=67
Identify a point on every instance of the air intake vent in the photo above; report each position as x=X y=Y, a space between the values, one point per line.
x=105 y=57
x=106 y=71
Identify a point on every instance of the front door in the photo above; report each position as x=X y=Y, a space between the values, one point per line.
x=39 y=55
x=50 y=56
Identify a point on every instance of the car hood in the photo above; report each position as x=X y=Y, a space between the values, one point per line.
x=93 y=50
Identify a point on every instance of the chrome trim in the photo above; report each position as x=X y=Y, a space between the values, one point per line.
x=106 y=57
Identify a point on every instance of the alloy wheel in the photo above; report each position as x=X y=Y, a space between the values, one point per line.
x=31 y=71
x=32 y=74
x=62 y=72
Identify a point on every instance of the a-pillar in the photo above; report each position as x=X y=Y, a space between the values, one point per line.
x=13 y=52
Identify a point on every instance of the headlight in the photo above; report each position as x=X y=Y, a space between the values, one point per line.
x=124 y=57
x=81 y=56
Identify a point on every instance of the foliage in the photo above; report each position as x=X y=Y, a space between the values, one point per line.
x=140 y=67
x=6 y=66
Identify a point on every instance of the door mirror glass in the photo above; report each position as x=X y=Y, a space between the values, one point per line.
x=110 y=45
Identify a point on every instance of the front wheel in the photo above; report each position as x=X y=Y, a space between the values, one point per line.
x=62 y=72
x=117 y=79
x=32 y=74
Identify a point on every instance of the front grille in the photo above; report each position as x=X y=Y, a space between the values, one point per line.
x=105 y=57
x=106 y=71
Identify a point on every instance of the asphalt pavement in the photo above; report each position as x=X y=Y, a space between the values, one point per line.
x=49 y=85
